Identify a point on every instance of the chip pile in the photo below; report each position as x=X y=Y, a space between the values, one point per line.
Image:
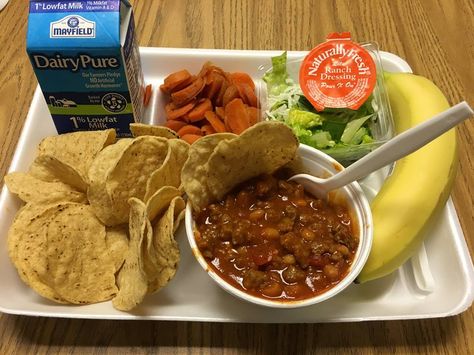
x=100 y=216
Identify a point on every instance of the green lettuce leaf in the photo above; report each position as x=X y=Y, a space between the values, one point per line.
x=276 y=78
x=351 y=129
x=321 y=140
x=303 y=119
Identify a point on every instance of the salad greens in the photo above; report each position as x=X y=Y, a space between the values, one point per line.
x=333 y=129
x=277 y=78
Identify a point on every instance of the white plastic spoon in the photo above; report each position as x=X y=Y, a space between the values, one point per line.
x=396 y=148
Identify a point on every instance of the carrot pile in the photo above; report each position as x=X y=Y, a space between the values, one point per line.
x=212 y=101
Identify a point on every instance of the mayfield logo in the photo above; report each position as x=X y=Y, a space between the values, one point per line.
x=72 y=26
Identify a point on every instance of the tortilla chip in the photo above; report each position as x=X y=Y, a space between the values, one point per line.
x=261 y=149
x=77 y=149
x=141 y=129
x=194 y=172
x=150 y=264
x=27 y=246
x=41 y=171
x=132 y=279
x=80 y=268
x=296 y=166
x=166 y=251
x=31 y=189
x=160 y=201
x=97 y=194
x=50 y=169
x=117 y=244
x=179 y=219
x=129 y=176
x=169 y=174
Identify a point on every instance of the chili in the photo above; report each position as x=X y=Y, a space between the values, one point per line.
x=271 y=239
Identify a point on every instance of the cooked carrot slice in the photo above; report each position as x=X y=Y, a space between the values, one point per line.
x=220 y=112
x=247 y=94
x=242 y=78
x=187 y=94
x=207 y=68
x=175 y=79
x=173 y=112
x=228 y=77
x=207 y=129
x=189 y=129
x=215 y=122
x=197 y=113
x=190 y=138
x=231 y=93
x=220 y=96
x=236 y=116
x=214 y=85
x=251 y=97
x=147 y=95
x=254 y=115
x=175 y=125
x=183 y=84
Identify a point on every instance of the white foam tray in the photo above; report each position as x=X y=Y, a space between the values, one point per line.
x=436 y=283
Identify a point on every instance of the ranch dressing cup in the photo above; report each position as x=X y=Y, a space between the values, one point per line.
x=86 y=60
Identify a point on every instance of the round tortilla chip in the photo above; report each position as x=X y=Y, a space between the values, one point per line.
x=261 y=149
x=39 y=170
x=141 y=129
x=27 y=246
x=156 y=207
x=117 y=244
x=51 y=169
x=77 y=149
x=97 y=194
x=80 y=268
x=194 y=172
x=179 y=218
x=181 y=150
x=132 y=279
x=31 y=189
x=160 y=201
x=165 y=251
x=129 y=176
x=169 y=174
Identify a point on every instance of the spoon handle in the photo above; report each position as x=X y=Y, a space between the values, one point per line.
x=401 y=145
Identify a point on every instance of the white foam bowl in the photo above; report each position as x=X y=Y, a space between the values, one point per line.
x=318 y=164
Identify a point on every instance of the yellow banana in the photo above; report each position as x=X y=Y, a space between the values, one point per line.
x=420 y=183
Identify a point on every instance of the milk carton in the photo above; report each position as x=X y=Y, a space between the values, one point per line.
x=86 y=59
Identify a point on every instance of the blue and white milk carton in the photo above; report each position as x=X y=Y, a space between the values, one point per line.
x=86 y=59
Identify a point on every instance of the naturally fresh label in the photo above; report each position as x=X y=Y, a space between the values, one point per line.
x=338 y=73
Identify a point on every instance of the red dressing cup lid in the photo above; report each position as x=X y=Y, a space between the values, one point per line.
x=338 y=73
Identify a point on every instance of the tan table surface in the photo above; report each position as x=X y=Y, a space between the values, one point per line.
x=436 y=37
